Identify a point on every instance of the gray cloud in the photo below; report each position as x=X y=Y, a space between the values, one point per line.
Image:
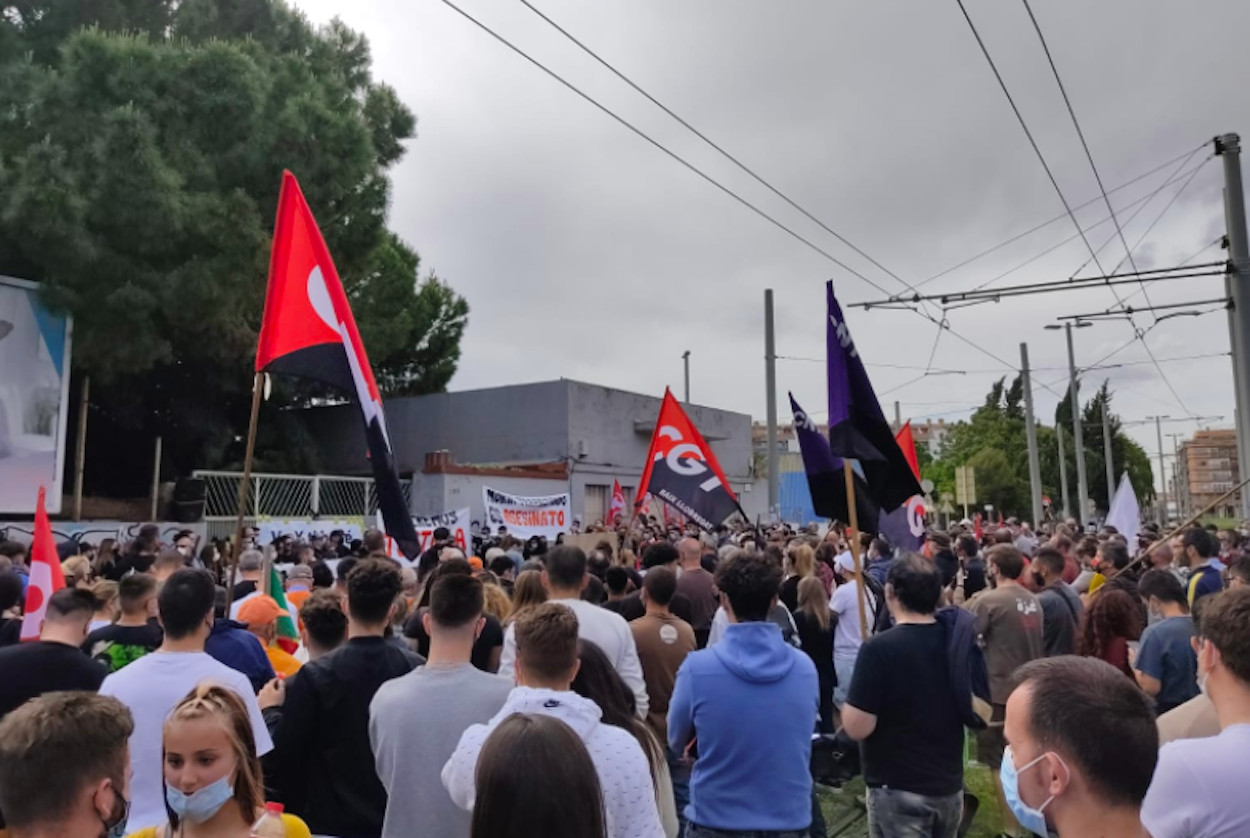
x=584 y=252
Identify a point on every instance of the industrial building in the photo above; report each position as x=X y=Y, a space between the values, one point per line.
x=530 y=439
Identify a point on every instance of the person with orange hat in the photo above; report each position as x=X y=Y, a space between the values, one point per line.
x=261 y=614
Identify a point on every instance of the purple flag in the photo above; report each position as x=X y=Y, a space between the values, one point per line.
x=857 y=427
x=826 y=479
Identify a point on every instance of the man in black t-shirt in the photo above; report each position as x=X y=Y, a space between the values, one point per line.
x=136 y=633
x=53 y=662
x=902 y=706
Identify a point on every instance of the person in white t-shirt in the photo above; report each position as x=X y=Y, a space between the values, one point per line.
x=564 y=577
x=847 y=637
x=1199 y=784
x=153 y=685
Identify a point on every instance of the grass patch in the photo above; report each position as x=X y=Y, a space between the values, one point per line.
x=845 y=816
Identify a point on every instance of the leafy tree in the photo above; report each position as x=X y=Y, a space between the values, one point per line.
x=994 y=442
x=141 y=148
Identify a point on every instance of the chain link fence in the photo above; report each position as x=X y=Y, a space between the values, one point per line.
x=304 y=496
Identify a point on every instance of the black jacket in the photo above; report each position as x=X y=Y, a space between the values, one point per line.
x=321 y=766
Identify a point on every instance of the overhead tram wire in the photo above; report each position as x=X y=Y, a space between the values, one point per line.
x=1184 y=158
x=1058 y=191
x=686 y=164
x=1084 y=144
x=1031 y=288
x=1185 y=179
x=640 y=133
x=942 y=324
x=731 y=158
x=1140 y=203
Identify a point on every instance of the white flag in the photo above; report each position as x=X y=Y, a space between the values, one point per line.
x=1125 y=514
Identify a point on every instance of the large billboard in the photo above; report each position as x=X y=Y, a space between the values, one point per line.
x=34 y=397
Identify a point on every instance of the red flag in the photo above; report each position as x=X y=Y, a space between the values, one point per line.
x=617 y=507
x=682 y=471
x=1000 y=519
x=907 y=443
x=46 y=577
x=308 y=330
x=976 y=526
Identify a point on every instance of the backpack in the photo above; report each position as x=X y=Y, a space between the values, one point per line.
x=966 y=662
x=880 y=618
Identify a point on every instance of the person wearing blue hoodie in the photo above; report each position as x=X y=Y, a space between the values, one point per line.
x=752 y=702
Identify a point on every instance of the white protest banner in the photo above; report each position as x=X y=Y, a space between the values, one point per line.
x=301 y=529
x=545 y=516
x=456 y=521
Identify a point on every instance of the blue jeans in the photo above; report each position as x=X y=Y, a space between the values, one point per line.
x=680 y=773
x=903 y=814
x=695 y=831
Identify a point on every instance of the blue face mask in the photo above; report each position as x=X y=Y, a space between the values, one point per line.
x=1031 y=819
x=201 y=804
x=117 y=828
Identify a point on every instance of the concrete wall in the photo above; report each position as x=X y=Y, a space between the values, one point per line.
x=522 y=424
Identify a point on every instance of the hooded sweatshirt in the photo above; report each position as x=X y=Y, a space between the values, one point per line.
x=753 y=701
x=624 y=773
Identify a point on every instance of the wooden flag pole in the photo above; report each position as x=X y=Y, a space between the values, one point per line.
x=244 y=485
x=853 y=514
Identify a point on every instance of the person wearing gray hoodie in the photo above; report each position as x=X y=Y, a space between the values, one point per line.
x=546 y=663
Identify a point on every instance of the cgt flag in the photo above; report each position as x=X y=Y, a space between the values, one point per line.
x=308 y=331
x=617 y=507
x=826 y=479
x=46 y=577
x=857 y=427
x=682 y=471
x=904 y=527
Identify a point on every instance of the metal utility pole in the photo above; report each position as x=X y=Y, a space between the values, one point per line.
x=770 y=386
x=898 y=417
x=1063 y=471
x=1107 y=454
x=1035 y=466
x=1082 y=488
x=1237 y=288
x=1163 y=495
x=685 y=357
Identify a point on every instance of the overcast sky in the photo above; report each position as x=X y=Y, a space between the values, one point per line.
x=586 y=253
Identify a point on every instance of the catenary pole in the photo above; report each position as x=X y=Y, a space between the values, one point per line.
x=1030 y=426
x=1237 y=287
x=770 y=386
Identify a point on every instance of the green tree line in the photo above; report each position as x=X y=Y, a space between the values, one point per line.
x=994 y=442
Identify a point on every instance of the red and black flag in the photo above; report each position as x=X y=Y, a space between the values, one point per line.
x=308 y=331
x=682 y=471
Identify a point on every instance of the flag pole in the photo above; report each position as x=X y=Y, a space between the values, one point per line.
x=1193 y=519
x=853 y=514
x=244 y=484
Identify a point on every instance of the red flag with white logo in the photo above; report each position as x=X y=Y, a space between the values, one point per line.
x=308 y=330
x=617 y=507
x=46 y=577
x=682 y=471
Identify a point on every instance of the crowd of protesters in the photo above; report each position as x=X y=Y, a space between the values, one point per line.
x=666 y=682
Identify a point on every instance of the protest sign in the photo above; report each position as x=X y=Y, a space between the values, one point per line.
x=525 y=517
x=302 y=529
x=456 y=521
